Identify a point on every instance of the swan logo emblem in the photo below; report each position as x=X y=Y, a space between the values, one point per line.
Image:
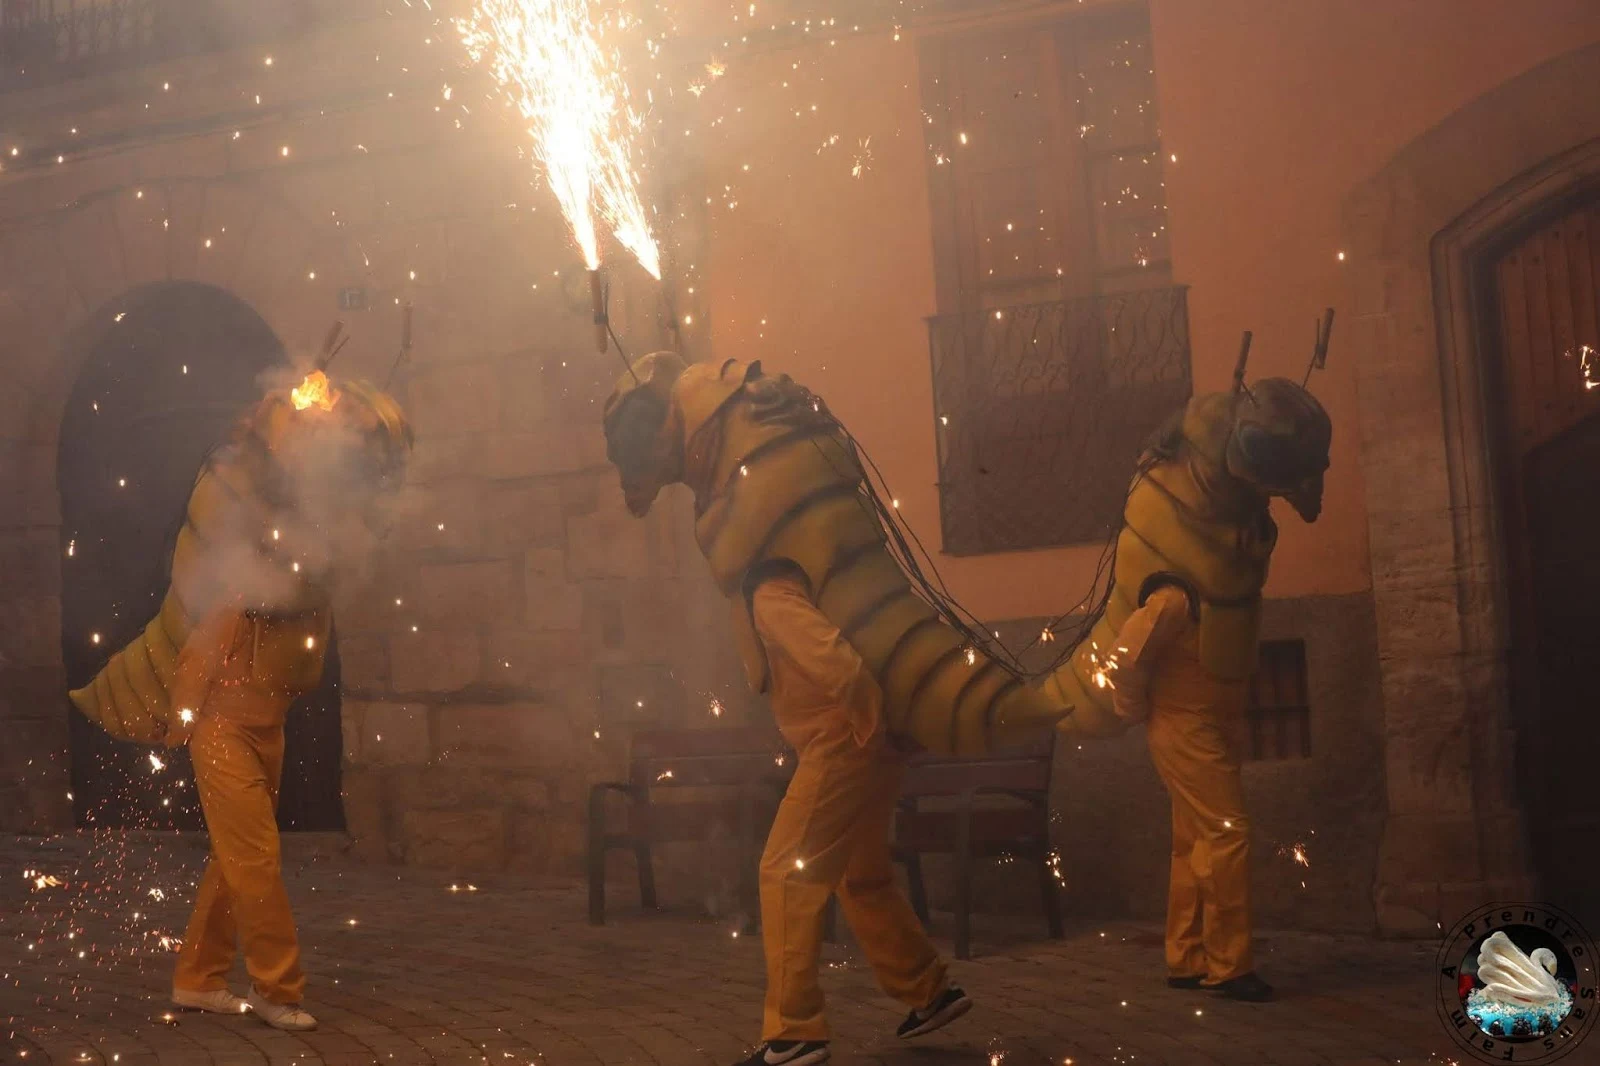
x=1517 y=983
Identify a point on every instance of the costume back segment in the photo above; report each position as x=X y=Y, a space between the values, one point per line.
x=1197 y=518
x=775 y=484
x=246 y=541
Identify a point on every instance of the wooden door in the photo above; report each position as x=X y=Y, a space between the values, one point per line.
x=1548 y=303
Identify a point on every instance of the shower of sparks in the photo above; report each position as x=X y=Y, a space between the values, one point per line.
x=1103 y=668
x=156 y=765
x=549 y=61
x=863 y=157
x=1588 y=365
x=1295 y=852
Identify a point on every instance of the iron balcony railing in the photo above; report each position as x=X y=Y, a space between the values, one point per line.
x=1042 y=411
x=45 y=41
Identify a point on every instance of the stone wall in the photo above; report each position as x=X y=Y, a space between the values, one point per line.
x=1455 y=833
x=516 y=622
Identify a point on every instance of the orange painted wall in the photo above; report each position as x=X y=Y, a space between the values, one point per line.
x=1275 y=111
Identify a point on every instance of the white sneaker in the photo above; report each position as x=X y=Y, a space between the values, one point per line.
x=288 y=1016
x=217 y=1001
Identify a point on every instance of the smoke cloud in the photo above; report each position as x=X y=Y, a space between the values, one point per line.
x=313 y=516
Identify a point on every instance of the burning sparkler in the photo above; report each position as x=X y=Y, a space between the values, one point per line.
x=549 y=61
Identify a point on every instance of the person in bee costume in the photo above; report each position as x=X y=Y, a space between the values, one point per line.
x=1191 y=562
x=853 y=663
x=241 y=634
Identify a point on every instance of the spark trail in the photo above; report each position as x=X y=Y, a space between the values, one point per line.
x=551 y=64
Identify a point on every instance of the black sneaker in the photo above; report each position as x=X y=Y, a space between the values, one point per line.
x=946 y=1007
x=789 y=1053
x=1184 y=982
x=1248 y=988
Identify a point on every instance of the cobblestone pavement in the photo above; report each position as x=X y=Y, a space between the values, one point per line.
x=408 y=968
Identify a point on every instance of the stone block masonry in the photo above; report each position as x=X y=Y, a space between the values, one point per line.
x=515 y=624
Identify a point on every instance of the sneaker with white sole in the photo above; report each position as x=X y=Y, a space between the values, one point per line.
x=287 y=1016
x=789 y=1053
x=946 y=1007
x=216 y=1000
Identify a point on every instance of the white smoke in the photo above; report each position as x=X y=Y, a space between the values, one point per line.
x=281 y=550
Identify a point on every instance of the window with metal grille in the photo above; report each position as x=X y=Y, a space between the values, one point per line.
x=1060 y=342
x=1280 y=706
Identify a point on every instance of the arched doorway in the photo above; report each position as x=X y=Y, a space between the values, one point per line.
x=1543 y=299
x=166 y=371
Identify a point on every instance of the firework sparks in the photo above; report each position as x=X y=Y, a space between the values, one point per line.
x=1588 y=365
x=549 y=61
x=1296 y=852
x=1103 y=668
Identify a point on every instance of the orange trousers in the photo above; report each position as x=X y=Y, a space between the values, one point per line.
x=1197 y=754
x=831 y=834
x=237 y=749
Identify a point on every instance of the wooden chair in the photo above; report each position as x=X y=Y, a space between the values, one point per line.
x=964 y=829
x=751 y=765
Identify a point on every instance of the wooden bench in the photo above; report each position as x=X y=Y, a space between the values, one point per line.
x=961 y=826
x=751 y=766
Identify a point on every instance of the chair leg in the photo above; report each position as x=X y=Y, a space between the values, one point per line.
x=647 y=875
x=641 y=855
x=749 y=888
x=963 y=859
x=917 y=888
x=597 y=860
x=1052 y=897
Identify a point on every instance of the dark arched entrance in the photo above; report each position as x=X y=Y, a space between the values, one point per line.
x=166 y=371
x=1545 y=285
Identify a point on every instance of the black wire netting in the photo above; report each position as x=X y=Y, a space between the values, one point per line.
x=1043 y=409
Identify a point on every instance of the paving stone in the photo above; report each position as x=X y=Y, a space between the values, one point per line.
x=512 y=974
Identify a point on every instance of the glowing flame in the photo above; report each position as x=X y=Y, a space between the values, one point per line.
x=314 y=391
x=549 y=61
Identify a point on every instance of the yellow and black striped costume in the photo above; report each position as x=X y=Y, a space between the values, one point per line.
x=1172 y=534
x=776 y=482
x=243 y=542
